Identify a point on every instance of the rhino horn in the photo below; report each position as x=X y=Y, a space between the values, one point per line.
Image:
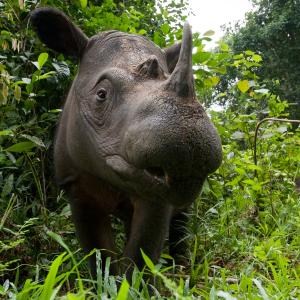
x=181 y=80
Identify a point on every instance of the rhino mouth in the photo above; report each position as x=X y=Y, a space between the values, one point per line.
x=154 y=182
x=157 y=173
x=130 y=173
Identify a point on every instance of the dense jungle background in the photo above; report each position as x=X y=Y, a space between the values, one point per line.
x=244 y=229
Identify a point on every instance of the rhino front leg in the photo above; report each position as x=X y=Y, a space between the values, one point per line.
x=93 y=228
x=149 y=229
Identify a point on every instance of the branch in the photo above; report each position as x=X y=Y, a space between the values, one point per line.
x=257 y=128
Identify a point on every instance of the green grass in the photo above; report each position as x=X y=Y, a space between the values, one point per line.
x=229 y=259
x=243 y=236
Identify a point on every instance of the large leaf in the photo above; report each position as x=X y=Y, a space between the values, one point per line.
x=243 y=85
x=200 y=57
x=43 y=57
x=21 y=147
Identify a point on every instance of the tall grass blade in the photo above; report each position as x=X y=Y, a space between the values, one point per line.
x=51 y=279
x=123 y=292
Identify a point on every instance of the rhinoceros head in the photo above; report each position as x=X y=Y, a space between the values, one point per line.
x=131 y=117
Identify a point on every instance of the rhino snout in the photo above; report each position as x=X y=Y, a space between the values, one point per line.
x=176 y=152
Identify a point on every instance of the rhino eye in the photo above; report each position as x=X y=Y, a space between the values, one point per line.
x=101 y=94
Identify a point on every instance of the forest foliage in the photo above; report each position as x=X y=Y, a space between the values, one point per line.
x=276 y=25
x=244 y=229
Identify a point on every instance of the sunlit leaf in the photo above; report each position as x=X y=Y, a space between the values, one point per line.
x=83 y=3
x=4 y=94
x=209 y=33
x=257 y=58
x=201 y=57
x=43 y=57
x=224 y=47
x=165 y=28
x=148 y=261
x=49 y=285
x=123 y=292
x=243 y=85
x=6 y=132
x=215 y=80
x=249 y=52
x=17 y=92
x=21 y=4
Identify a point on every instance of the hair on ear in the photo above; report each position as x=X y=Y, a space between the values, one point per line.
x=172 y=56
x=57 y=31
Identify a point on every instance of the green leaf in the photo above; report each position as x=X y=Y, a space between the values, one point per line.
x=21 y=147
x=142 y=32
x=17 y=92
x=165 y=28
x=51 y=279
x=83 y=3
x=249 y=52
x=211 y=81
x=201 y=57
x=6 y=132
x=224 y=47
x=123 y=292
x=256 y=58
x=148 y=261
x=209 y=33
x=58 y=239
x=46 y=75
x=43 y=57
x=214 y=80
x=4 y=94
x=34 y=139
x=243 y=85
x=238 y=56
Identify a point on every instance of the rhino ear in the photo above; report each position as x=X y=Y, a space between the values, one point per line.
x=58 y=32
x=172 y=56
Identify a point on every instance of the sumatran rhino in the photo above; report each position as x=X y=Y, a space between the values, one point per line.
x=132 y=140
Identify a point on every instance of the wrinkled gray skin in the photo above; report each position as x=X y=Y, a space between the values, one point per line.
x=132 y=140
